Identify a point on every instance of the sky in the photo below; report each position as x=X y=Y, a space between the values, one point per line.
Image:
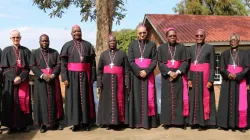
x=22 y=15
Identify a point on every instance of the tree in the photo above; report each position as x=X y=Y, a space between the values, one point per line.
x=104 y=12
x=124 y=38
x=212 y=7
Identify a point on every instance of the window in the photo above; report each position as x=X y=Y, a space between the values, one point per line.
x=217 y=76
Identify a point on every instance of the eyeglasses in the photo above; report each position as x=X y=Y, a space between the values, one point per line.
x=18 y=37
x=201 y=36
x=172 y=36
x=140 y=33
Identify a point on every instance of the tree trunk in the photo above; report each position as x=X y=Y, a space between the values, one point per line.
x=105 y=10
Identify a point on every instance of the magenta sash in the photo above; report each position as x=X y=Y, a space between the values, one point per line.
x=242 y=97
x=120 y=92
x=205 y=68
x=176 y=65
x=79 y=67
x=24 y=94
x=57 y=93
x=151 y=85
x=84 y=67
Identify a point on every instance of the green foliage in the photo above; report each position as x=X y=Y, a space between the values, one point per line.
x=124 y=38
x=87 y=8
x=212 y=7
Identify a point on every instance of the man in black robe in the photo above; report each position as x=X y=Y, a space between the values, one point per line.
x=200 y=81
x=48 y=105
x=173 y=65
x=142 y=55
x=78 y=69
x=16 y=101
x=1 y=87
x=112 y=81
x=232 y=109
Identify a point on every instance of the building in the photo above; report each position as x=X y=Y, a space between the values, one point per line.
x=218 y=30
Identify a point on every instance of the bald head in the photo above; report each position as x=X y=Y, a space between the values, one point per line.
x=76 y=32
x=15 y=37
x=43 y=36
x=15 y=33
x=142 y=32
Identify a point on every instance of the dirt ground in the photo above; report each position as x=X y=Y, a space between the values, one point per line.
x=131 y=134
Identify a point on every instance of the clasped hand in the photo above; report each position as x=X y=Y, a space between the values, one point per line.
x=48 y=77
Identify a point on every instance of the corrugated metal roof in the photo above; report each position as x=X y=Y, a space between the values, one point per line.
x=218 y=28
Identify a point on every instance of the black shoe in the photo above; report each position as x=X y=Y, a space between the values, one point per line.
x=25 y=129
x=75 y=128
x=57 y=127
x=11 y=130
x=194 y=127
x=60 y=127
x=118 y=128
x=43 y=129
x=108 y=127
x=201 y=128
x=184 y=127
x=221 y=128
x=242 y=130
x=166 y=127
x=233 y=129
x=87 y=128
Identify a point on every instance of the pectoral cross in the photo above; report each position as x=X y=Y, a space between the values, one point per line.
x=195 y=62
x=141 y=58
x=111 y=65
x=48 y=69
x=19 y=61
x=173 y=61
x=81 y=58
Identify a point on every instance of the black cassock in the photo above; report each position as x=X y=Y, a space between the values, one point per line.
x=48 y=105
x=228 y=113
x=248 y=97
x=16 y=111
x=204 y=55
x=172 y=92
x=1 y=85
x=113 y=103
x=79 y=98
x=140 y=114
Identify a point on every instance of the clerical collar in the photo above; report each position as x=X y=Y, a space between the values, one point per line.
x=234 y=49
x=142 y=41
x=200 y=44
x=16 y=47
x=45 y=50
x=172 y=45
x=79 y=40
x=112 y=50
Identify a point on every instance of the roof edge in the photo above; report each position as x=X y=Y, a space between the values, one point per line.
x=158 y=33
x=222 y=43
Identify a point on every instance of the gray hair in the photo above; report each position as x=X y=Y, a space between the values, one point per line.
x=235 y=35
x=201 y=30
